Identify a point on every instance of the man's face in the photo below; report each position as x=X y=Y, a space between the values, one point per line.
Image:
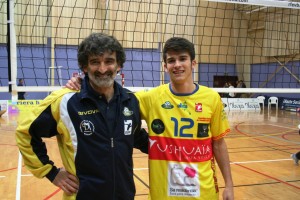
x=179 y=66
x=102 y=70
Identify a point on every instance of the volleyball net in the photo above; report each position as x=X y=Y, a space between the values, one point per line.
x=256 y=41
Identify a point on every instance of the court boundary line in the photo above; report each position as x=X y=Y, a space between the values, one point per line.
x=19 y=173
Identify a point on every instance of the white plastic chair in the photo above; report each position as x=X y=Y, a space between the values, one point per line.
x=272 y=100
x=261 y=100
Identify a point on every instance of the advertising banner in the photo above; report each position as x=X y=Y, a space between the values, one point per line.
x=238 y=104
x=22 y=105
x=290 y=104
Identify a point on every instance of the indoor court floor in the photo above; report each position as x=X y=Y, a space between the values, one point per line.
x=259 y=145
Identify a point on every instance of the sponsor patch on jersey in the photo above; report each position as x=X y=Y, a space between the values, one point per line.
x=224 y=115
x=167 y=105
x=198 y=107
x=183 y=180
x=180 y=150
x=157 y=126
x=127 y=112
x=87 y=127
x=202 y=130
x=184 y=107
x=127 y=127
x=203 y=119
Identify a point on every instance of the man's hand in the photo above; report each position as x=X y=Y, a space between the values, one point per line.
x=66 y=181
x=74 y=83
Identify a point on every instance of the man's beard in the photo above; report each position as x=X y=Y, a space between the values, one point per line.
x=102 y=80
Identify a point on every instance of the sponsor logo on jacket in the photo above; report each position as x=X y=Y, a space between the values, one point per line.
x=88 y=112
x=87 y=127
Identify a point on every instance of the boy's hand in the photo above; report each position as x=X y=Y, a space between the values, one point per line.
x=74 y=83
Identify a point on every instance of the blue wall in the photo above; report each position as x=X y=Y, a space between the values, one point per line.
x=207 y=71
x=142 y=68
x=260 y=73
x=3 y=66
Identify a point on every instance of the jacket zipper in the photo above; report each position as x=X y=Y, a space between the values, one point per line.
x=113 y=146
x=112 y=142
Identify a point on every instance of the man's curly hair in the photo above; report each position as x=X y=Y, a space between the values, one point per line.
x=97 y=44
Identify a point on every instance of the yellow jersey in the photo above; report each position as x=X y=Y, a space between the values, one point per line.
x=181 y=129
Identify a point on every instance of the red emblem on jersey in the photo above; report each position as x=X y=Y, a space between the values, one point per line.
x=198 y=107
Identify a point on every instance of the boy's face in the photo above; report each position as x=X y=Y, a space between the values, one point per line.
x=180 y=66
x=102 y=69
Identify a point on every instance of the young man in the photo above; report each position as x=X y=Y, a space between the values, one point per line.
x=96 y=129
x=186 y=125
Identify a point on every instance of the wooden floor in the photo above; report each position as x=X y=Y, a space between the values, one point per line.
x=259 y=145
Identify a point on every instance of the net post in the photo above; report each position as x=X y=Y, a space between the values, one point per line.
x=12 y=51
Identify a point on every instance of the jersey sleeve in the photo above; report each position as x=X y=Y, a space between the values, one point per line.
x=219 y=123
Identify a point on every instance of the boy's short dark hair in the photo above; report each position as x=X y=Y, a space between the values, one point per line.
x=179 y=44
x=97 y=44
